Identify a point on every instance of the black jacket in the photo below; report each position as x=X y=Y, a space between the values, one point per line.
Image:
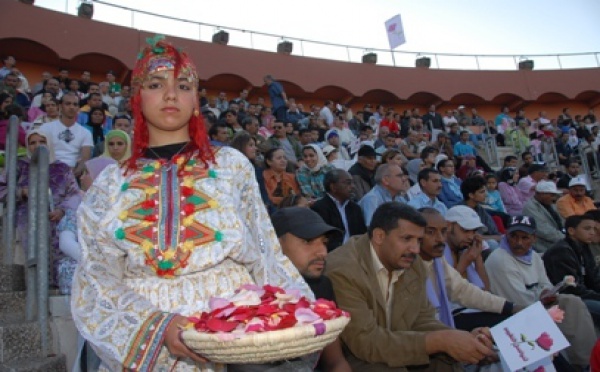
x=327 y=209
x=568 y=257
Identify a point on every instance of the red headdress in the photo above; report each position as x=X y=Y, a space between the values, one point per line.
x=160 y=55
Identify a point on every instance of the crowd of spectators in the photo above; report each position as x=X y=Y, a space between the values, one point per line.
x=372 y=176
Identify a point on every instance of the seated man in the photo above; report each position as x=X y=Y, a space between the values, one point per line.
x=337 y=209
x=516 y=272
x=390 y=183
x=363 y=171
x=303 y=236
x=379 y=278
x=448 y=291
x=541 y=209
x=474 y=193
x=576 y=202
x=572 y=256
x=464 y=245
x=430 y=183
x=573 y=168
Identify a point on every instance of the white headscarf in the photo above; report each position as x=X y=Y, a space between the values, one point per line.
x=321 y=159
x=573 y=140
x=49 y=144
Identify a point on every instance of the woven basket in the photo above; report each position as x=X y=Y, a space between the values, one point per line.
x=265 y=347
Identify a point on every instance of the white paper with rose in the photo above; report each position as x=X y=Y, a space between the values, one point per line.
x=528 y=339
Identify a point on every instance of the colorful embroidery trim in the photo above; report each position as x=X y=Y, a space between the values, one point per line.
x=167 y=230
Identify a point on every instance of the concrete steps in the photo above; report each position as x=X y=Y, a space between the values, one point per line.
x=55 y=363
x=20 y=341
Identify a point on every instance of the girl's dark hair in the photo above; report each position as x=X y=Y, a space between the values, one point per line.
x=290 y=201
x=3 y=97
x=240 y=140
x=489 y=176
x=269 y=155
x=53 y=99
x=94 y=110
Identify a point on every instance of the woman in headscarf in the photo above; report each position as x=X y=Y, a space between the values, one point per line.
x=310 y=176
x=117 y=149
x=64 y=196
x=573 y=141
x=510 y=194
x=179 y=223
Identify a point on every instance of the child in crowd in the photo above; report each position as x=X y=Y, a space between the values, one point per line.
x=493 y=200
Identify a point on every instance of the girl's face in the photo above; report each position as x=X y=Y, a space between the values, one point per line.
x=97 y=117
x=279 y=162
x=492 y=184
x=168 y=103
x=35 y=140
x=332 y=157
x=116 y=148
x=250 y=150
x=396 y=160
x=51 y=108
x=6 y=102
x=46 y=97
x=289 y=128
x=310 y=158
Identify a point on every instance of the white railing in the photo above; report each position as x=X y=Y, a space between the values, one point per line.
x=201 y=31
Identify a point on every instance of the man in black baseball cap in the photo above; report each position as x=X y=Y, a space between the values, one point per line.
x=303 y=236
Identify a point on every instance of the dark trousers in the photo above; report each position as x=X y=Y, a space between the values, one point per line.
x=470 y=321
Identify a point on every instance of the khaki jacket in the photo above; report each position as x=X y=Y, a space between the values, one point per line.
x=367 y=337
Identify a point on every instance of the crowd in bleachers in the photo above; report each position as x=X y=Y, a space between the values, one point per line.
x=345 y=165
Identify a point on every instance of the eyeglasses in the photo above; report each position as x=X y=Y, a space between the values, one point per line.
x=278 y=127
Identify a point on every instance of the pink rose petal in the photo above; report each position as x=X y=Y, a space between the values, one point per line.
x=306 y=316
x=217 y=303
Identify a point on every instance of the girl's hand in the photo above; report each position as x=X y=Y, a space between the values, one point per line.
x=56 y=215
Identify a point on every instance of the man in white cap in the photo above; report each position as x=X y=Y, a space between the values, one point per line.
x=541 y=208
x=465 y=245
x=517 y=273
x=576 y=202
x=448 y=291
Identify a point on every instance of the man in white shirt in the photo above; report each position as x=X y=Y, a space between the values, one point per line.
x=72 y=143
x=326 y=113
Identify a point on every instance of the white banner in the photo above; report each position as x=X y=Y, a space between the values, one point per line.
x=395 y=31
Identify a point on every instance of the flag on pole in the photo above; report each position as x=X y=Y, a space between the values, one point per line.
x=395 y=31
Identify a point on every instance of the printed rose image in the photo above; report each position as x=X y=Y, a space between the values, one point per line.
x=544 y=341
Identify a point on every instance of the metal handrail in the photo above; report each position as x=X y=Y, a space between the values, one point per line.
x=38 y=253
x=10 y=164
x=514 y=59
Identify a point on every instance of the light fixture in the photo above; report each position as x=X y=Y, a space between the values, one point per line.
x=370 y=58
x=285 y=47
x=525 y=64
x=422 y=62
x=221 y=37
x=86 y=9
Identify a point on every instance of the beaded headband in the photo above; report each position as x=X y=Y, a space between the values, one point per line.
x=159 y=56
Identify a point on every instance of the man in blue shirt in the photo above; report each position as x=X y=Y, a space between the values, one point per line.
x=390 y=184
x=430 y=181
x=463 y=147
x=278 y=97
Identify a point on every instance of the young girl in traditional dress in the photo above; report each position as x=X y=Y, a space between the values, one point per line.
x=181 y=222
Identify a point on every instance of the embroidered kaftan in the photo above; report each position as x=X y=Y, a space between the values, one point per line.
x=120 y=304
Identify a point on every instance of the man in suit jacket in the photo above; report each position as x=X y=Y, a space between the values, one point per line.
x=380 y=279
x=338 y=210
x=550 y=225
x=433 y=120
